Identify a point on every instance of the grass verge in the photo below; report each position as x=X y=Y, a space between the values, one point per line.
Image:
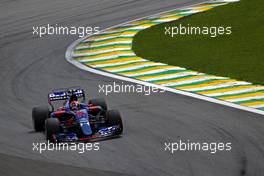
x=239 y=55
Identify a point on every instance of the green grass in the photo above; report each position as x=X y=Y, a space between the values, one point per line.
x=239 y=55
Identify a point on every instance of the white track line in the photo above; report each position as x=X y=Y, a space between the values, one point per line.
x=68 y=56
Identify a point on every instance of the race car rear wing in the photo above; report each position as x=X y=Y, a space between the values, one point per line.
x=64 y=94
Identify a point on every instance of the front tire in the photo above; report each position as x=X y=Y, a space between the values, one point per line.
x=113 y=118
x=52 y=128
x=39 y=115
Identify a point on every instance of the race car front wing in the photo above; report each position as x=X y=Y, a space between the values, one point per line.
x=103 y=133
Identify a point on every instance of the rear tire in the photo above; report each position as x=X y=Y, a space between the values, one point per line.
x=99 y=102
x=52 y=128
x=39 y=115
x=113 y=118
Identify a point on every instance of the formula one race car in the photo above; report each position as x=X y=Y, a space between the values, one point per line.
x=76 y=120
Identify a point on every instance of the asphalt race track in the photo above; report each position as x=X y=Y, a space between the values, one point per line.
x=31 y=66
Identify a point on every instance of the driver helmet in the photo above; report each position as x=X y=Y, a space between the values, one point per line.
x=74 y=105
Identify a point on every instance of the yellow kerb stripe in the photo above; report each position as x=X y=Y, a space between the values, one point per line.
x=129 y=65
x=113 y=53
x=148 y=70
x=174 y=17
x=116 y=61
x=215 y=82
x=103 y=49
x=157 y=76
x=128 y=32
x=104 y=36
x=184 y=79
x=111 y=41
x=140 y=22
x=253 y=103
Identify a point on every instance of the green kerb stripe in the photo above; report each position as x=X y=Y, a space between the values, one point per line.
x=101 y=47
x=194 y=84
x=129 y=64
x=172 y=79
x=139 y=69
x=249 y=101
x=223 y=96
x=159 y=73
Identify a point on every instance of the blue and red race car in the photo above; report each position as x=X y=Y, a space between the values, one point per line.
x=76 y=120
